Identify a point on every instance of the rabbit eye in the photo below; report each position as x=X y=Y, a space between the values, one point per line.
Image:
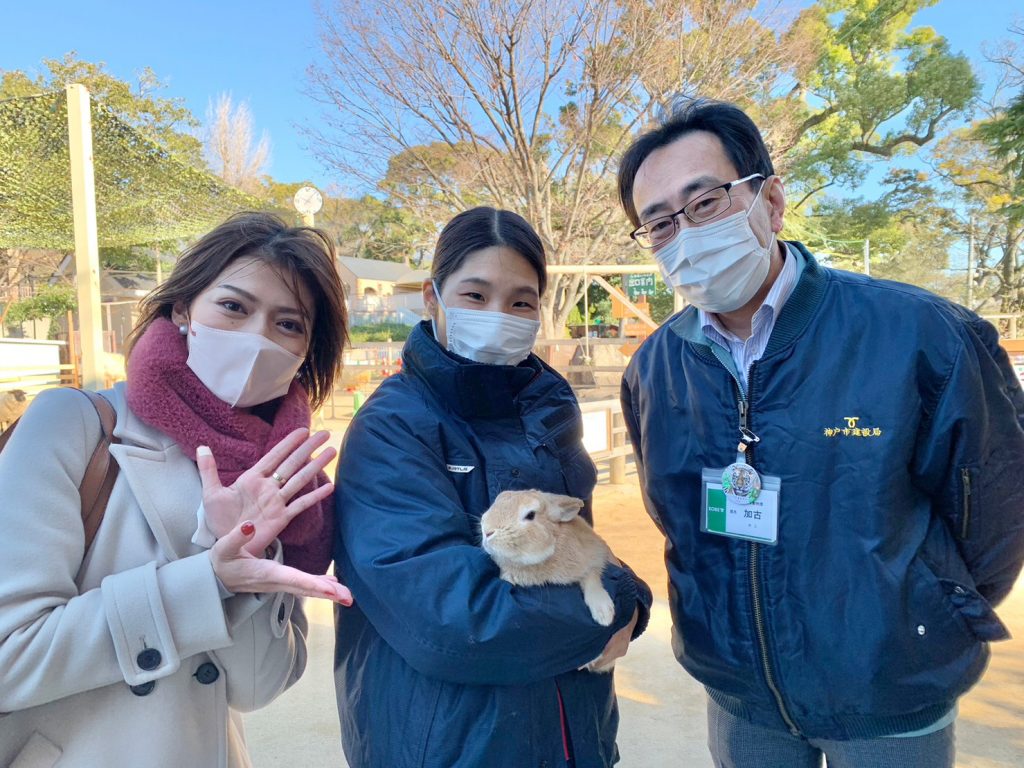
x=530 y=515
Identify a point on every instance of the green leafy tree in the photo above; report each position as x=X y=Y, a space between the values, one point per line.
x=909 y=230
x=992 y=197
x=139 y=104
x=879 y=90
x=983 y=165
x=164 y=119
x=365 y=227
x=1004 y=135
x=50 y=301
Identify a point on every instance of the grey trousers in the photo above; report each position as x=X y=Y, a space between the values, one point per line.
x=735 y=743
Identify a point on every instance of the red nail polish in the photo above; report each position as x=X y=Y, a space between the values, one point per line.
x=248 y=528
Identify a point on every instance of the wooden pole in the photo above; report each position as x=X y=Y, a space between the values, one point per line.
x=617 y=464
x=73 y=351
x=87 y=258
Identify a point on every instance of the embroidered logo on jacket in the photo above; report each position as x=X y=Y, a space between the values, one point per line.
x=852 y=429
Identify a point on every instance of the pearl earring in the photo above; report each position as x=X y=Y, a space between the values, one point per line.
x=183 y=329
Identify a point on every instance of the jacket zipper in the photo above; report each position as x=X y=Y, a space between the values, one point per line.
x=754 y=563
x=965 y=523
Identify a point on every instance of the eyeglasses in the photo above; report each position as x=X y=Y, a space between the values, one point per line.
x=704 y=207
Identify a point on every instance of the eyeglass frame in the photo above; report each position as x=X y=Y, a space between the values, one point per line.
x=682 y=211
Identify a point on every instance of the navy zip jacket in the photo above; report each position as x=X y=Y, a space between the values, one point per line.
x=896 y=425
x=439 y=662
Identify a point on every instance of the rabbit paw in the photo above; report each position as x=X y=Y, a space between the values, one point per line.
x=601 y=608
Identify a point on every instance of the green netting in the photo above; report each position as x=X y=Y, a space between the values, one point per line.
x=143 y=195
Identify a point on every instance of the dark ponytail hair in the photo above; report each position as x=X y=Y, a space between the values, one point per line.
x=484 y=227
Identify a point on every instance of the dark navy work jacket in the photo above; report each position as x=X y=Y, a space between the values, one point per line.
x=439 y=662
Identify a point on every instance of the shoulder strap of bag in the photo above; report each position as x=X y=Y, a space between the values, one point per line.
x=100 y=472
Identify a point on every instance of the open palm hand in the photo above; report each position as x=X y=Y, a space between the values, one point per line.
x=270 y=493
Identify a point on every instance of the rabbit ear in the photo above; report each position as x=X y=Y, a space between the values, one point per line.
x=562 y=509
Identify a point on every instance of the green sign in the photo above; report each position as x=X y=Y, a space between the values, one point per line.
x=639 y=285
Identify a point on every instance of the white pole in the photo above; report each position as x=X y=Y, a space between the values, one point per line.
x=87 y=259
x=867 y=257
x=586 y=319
x=970 y=263
x=308 y=220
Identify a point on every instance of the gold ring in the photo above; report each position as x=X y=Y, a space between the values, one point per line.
x=280 y=480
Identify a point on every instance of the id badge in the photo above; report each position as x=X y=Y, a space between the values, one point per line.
x=739 y=503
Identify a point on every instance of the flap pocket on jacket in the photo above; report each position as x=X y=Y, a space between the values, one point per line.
x=38 y=752
x=975 y=611
x=579 y=475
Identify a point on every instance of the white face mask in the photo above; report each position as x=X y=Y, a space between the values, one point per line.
x=242 y=369
x=487 y=337
x=719 y=266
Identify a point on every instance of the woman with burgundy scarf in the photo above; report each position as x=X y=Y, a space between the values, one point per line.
x=143 y=649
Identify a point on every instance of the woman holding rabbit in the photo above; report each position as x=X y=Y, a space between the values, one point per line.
x=440 y=662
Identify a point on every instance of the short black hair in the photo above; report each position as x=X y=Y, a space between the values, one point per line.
x=684 y=114
x=484 y=227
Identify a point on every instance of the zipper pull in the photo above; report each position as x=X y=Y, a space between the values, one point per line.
x=747 y=438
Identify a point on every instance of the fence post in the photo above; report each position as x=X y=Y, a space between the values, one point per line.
x=617 y=464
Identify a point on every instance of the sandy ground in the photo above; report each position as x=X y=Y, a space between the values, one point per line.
x=663 y=721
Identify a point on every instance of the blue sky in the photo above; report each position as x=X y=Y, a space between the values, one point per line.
x=259 y=50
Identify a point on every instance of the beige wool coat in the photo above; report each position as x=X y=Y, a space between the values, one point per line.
x=129 y=657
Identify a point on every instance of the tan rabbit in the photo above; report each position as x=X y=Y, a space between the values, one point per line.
x=539 y=538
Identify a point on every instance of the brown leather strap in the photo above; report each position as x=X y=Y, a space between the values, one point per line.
x=6 y=434
x=100 y=472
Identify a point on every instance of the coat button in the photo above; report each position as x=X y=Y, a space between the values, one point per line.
x=144 y=689
x=207 y=673
x=149 y=659
x=921 y=630
x=515 y=473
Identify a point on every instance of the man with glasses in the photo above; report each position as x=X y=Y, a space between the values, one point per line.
x=837 y=463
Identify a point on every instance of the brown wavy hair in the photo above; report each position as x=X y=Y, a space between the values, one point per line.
x=304 y=254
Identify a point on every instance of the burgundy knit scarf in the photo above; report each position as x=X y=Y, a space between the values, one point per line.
x=164 y=393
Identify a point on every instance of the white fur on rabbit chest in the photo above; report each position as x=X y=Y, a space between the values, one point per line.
x=551 y=546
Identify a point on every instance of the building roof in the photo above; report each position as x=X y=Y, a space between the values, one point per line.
x=413 y=279
x=122 y=285
x=372 y=269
